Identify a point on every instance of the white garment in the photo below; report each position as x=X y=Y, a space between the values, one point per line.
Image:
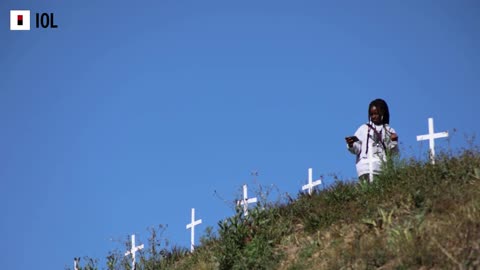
x=364 y=134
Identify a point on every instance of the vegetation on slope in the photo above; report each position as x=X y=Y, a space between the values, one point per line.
x=413 y=216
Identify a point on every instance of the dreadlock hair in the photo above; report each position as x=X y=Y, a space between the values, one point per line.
x=382 y=108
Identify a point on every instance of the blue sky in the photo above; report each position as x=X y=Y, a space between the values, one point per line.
x=131 y=113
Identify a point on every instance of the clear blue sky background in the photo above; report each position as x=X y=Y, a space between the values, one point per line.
x=133 y=112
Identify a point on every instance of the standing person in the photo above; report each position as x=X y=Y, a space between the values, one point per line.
x=373 y=141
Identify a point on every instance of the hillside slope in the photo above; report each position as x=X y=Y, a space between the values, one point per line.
x=414 y=216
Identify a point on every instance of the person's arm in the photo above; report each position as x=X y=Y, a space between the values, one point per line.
x=392 y=144
x=356 y=147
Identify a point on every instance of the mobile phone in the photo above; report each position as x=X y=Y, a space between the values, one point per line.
x=354 y=138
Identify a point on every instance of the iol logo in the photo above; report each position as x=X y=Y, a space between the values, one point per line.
x=20 y=20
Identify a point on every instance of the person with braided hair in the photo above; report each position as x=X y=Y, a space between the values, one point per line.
x=374 y=141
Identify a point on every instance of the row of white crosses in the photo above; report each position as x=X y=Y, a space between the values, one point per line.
x=244 y=202
x=134 y=248
x=194 y=222
x=431 y=136
x=191 y=225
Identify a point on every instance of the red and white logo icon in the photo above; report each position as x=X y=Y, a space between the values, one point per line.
x=19 y=19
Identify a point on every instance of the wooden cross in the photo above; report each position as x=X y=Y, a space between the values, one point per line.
x=431 y=136
x=133 y=251
x=311 y=184
x=246 y=201
x=192 y=225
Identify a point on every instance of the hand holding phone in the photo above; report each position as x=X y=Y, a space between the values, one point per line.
x=350 y=140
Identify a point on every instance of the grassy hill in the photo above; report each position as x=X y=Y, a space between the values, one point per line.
x=413 y=216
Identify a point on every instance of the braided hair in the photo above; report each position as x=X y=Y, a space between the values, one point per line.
x=382 y=108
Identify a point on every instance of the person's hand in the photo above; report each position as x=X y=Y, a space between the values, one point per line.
x=394 y=137
x=350 y=141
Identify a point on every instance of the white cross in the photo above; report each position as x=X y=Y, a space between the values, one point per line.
x=311 y=184
x=192 y=225
x=75 y=263
x=370 y=159
x=246 y=201
x=431 y=137
x=133 y=250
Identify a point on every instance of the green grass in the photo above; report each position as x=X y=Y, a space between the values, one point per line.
x=414 y=215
